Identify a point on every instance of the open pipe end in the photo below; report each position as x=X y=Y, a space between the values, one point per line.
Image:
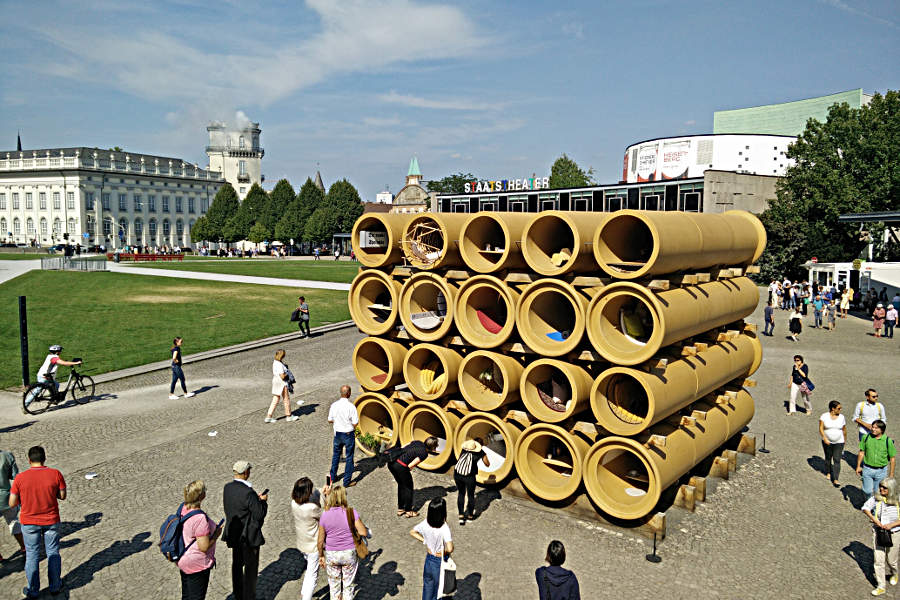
x=626 y=245
x=550 y=390
x=429 y=373
x=377 y=418
x=621 y=402
x=421 y=420
x=487 y=383
x=373 y=302
x=625 y=326
x=425 y=242
x=620 y=479
x=373 y=240
x=498 y=440
x=549 y=462
x=551 y=317
x=375 y=363
x=485 y=311
x=485 y=243
x=551 y=244
x=427 y=306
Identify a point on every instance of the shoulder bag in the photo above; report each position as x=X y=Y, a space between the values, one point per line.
x=883 y=537
x=362 y=549
x=448 y=577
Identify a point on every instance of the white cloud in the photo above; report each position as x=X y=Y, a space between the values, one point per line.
x=840 y=5
x=451 y=104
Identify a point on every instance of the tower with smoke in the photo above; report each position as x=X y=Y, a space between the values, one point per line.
x=234 y=151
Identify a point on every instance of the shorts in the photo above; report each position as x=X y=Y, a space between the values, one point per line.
x=11 y=516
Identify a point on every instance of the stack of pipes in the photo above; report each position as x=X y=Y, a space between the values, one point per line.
x=541 y=336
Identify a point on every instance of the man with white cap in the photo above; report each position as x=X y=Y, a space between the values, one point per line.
x=245 y=511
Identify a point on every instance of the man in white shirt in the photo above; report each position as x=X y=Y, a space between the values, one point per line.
x=343 y=416
x=867 y=412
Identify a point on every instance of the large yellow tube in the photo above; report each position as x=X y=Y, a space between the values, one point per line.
x=430 y=371
x=628 y=324
x=430 y=240
x=633 y=244
x=489 y=241
x=626 y=400
x=379 y=416
x=373 y=302
x=552 y=232
x=489 y=380
x=382 y=233
x=486 y=311
x=550 y=317
x=421 y=306
x=498 y=438
x=625 y=478
x=549 y=460
x=546 y=380
x=378 y=363
x=423 y=419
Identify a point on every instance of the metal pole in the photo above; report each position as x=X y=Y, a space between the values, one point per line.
x=23 y=340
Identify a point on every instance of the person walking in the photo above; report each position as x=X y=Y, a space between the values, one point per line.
x=554 y=582
x=177 y=372
x=410 y=456
x=890 y=320
x=344 y=419
x=833 y=429
x=846 y=299
x=832 y=314
x=336 y=545
x=282 y=384
x=8 y=472
x=303 y=307
x=38 y=491
x=434 y=533
x=883 y=509
x=895 y=301
x=867 y=412
x=464 y=474
x=245 y=512
x=818 y=305
x=799 y=385
x=306 y=508
x=876 y=457
x=200 y=534
x=796 y=324
x=316 y=253
x=769 y=313
x=878 y=316
x=337 y=253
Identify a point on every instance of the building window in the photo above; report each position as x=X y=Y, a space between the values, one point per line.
x=29 y=203
x=138 y=228
x=179 y=229
x=151 y=203
x=152 y=227
x=614 y=199
x=42 y=200
x=178 y=204
x=15 y=199
x=71 y=227
x=123 y=201
x=17 y=226
x=107 y=226
x=43 y=226
x=57 y=227
x=89 y=200
x=3 y=230
x=580 y=201
x=165 y=204
x=3 y=203
x=242 y=167
x=167 y=228
x=70 y=200
x=204 y=205
x=138 y=202
x=91 y=225
x=243 y=191
x=690 y=197
x=241 y=143
x=56 y=205
x=191 y=205
x=105 y=201
x=29 y=226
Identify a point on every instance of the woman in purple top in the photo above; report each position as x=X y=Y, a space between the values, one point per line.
x=337 y=550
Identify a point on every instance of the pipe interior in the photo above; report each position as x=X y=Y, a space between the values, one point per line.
x=551 y=314
x=626 y=399
x=372 y=363
x=626 y=322
x=375 y=418
x=550 y=460
x=375 y=299
x=551 y=236
x=493 y=442
x=427 y=298
x=483 y=378
x=626 y=243
x=486 y=309
x=376 y=227
x=424 y=424
x=425 y=240
x=551 y=386
x=623 y=476
x=425 y=370
x=485 y=241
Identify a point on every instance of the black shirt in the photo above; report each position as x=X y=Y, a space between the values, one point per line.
x=176 y=350
x=412 y=451
x=798 y=377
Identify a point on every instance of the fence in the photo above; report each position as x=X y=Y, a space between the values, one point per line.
x=62 y=263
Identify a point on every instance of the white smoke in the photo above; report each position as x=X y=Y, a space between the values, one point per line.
x=241 y=120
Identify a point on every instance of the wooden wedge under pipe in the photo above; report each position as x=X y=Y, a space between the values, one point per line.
x=430 y=371
x=549 y=460
x=627 y=400
x=488 y=380
x=379 y=416
x=557 y=242
x=431 y=240
x=423 y=419
x=427 y=306
x=490 y=241
x=376 y=238
x=628 y=323
x=625 y=476
x=546 y=380
x=498 y=437
x=550 y=316
x=373 y=301
x=632 y=243
x=378 y=363
x=486 y=311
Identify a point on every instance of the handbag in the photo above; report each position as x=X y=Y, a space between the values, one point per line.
x=883 y=537
x=448 y=576
x=295 y=316
x=807 y=387
x=362 y=549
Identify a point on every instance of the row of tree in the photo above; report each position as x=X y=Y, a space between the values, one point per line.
x=310 y=215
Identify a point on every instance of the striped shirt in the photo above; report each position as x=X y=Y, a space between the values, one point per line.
x=885 y=513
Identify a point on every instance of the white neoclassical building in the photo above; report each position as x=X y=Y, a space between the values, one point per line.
x=101 y=197
x=236 y=154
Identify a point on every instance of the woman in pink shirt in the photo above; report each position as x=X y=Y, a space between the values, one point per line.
x=200 y=534
x=337 y=550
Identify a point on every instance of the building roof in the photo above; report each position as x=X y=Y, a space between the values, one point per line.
x=318 y=181
x=414 y=167
x=376 y=207
x=85 y=151
x=891 y=217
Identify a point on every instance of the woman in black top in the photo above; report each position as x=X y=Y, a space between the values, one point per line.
x=799 y=377
x=410 y=456
x=177 y=373
x=464 y=474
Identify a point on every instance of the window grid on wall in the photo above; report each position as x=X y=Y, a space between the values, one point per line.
x=178 y=204
x=42 y=200
x=3 y=206
x=191 y=205
x=123 y=201
x=15 y=200
x=70 y=200
x=151 y=203
x=29 y=202
x=165 y=204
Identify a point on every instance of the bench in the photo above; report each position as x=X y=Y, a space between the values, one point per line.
x=125 y=256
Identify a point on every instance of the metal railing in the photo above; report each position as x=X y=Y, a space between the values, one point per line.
x=64 y=263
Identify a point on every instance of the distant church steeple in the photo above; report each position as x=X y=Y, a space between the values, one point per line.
x=318 y=182
x=414 y=175
x=18 y=142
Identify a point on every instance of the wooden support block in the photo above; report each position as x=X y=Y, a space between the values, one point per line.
x=748 y=382
x=589 y=429
x=401 y=272
x=656 y=440
x=400 y=334
x=518 y=416
x=688 y=351
x=684 y=279
x=752 y=270
x=519 y=277
x=686 y=497
x=687 y=422
x=722 y=399
x=747 y=445
x=401 y=395
x=589 y=281
x=454 y=340
x=731 y=393
x=701 y=346
x=657 y=524
x=719 y=468
x=732 y=333
x=516 y=347
x=703 y=277
x=731 y=457
x=698 y=415
x=722 y=337
x=458 y=405
x=457 y=274
x=656 y=363
x=699 y=485
x=587 y=355
x=659 y=285
x=750 y=327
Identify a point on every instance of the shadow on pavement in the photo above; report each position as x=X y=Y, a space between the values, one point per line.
x=364 y=467
x=818 y=464
x=276 y=574
x=483 y=500
x=205 y=388
x=378 y=585
x=116 y=552
x=853 y=495
x=16 y=564
x=467 y=588
x=423 y=496
x=12 y=428
x=303 y=410
x=864 y=558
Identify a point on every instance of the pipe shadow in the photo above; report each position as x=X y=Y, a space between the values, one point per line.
x=12 y=428
x=864 y=558
x=373 y=585
x=288 y=567
x=423 y=496
x=119 y=550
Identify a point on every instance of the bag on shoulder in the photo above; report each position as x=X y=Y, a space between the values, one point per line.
x=362 y=548
x=448 y=577
x=883 y=537
x=295 y=316
x=171 y=539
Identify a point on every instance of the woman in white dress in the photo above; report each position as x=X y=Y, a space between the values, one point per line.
x=280 y=381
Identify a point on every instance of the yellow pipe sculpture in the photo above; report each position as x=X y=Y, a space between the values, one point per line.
x=378 y=363
x=373 y=302
x=554 y=391
x=430 y=240
x=489 y=242
x=489 y=380
x=427 y=306
x=486 y=311
x=549 y=460
x=423 y=419
x=557 y=242
x=498 y=438
x=430 y=371
x=376 y=238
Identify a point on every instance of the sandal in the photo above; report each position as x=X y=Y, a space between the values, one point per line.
x=400 y=513
x=411 y=514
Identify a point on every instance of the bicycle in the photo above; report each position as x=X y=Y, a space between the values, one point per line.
x=45 y=393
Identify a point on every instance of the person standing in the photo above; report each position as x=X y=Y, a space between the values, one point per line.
x=410 y=456
x=890 y=320
x=883 y=509
x=832 y=314
x=876 y=457
x=281 y=386
x=306 y=508
x=344 y=419
x=8 y=472
x=769 y=312
x=245 y=511
x=200 y=534
x=554 y=582
x=336 y=544
x=878 y=316
x=833 y=429
x=818 y=305
x=434 y=533
x=303 y=307
x=799 y=385
x=846 y=299
x=337 y=253
x=867 y=412
x=177 y=372
x=796 y=324
x=38 y=491
x=464 y=474
x=316 y=253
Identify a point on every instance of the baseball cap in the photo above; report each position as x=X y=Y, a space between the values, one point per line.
x=241 y=466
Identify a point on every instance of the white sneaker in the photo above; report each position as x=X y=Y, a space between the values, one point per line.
x=893 y=579
x=300 y=402
x=878 y=591
x=173 y=397
x=292 y=418
x=270 y=420
x=189 y=395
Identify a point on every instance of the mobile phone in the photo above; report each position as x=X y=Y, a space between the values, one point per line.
x=265 y=491
x=328 y=480
x=219 y=526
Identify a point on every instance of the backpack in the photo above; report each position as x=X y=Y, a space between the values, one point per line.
x=171 y=540
x=878 y=405
x=465 y=463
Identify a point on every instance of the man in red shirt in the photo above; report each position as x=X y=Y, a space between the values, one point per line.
x=38 y=490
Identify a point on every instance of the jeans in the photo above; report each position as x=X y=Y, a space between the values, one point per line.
x=304 y=326
x=32 y=535
x=889 y=328
x=244 y=571
x=194 y=585
x=404 y=481
x=177 y=375
x=35 y=392
x=312 y=575
x=431 y=576
x=345 y=441
x=769 y=329
x=871 y=477
x=817 y=315
x=465 y=486
x=833 y=453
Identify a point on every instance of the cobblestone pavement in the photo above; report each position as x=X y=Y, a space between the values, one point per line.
x=776 y=529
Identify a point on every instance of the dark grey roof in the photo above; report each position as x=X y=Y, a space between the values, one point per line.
x=85 y=151
x=888 y=216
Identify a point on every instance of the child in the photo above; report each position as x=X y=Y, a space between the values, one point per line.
x=832 y=314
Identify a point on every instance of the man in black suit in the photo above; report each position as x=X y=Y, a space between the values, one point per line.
x=245 y=511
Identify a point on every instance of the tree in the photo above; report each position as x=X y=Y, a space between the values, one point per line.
x=281 y=196
x=292 y=222
x=565 y=173
x=337 y=214
x=200 y=230
x=258 y=233
x=848 y=164
x=254 y=208
x=224 y=206
x=451 y=184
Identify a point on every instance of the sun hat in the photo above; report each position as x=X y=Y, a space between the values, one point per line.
x=471 y=446
x=241 y=466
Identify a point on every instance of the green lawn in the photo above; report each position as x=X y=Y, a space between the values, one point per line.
x=115 y=320
x=323 y=270
x=24 y=256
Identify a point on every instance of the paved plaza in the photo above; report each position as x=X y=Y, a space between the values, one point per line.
x=776 y=529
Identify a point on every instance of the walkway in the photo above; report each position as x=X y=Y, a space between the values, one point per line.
x=10 y=269
x=300 y=283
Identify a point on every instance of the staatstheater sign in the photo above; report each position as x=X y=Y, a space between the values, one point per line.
x=508 y=185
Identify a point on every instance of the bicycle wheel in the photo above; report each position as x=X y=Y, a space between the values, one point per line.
x=83 y=389
x=37 y=398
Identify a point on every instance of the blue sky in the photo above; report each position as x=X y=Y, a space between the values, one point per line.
x=499 y=89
